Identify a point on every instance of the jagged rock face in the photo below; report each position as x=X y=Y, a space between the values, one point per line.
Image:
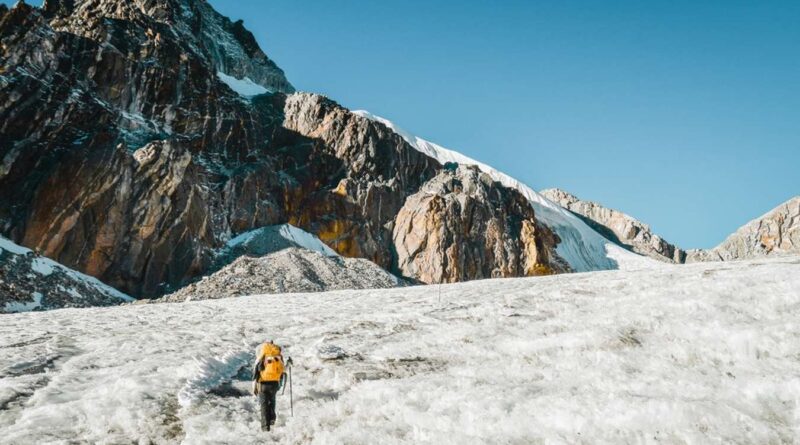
x=462 y=225
x=124 y=155
x=118 y=144
x=30 y=282
x=193 y=25
x=381 y=170
x=776 y=233
x=286 y=271
x=618 y=227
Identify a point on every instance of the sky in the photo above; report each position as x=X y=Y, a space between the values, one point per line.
x=683 y=114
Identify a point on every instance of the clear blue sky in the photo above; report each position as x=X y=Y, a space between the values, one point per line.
x=683 y=114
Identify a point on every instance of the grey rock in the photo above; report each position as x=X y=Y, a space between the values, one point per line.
x=31 y=282
x=774 y=234
x=618 y=227
x=286 y=271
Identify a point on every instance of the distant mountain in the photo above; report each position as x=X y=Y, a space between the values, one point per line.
x=616 y=226
x=773 y=234
x=29 y=282
x=776 y=233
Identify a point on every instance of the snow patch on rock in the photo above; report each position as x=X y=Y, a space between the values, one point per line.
x=41 y=266
x=244 y=87
x=296 y=236
x=18 y=306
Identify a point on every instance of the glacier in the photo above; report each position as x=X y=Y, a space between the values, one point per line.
x=706 y=353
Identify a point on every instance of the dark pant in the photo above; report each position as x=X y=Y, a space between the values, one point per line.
x=266 y=398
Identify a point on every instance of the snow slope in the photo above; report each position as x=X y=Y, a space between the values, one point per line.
x=31 y=282
x=582 y=247
x=706 y=353
x=294 y=236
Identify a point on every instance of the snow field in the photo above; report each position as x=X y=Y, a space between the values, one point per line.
x=696 y=354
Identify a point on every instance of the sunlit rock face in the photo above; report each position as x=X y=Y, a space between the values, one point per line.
x=137 y=137
x=774 y=234
x=463 y=225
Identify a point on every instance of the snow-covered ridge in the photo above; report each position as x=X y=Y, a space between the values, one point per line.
x=582 y=247
x=296 y=236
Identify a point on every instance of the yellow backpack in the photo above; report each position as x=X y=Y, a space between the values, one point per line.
x=272 y=363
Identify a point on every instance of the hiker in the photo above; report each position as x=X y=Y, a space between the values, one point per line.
x=268 y=379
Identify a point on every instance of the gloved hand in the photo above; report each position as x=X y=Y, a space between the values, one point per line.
x=289 y=361
x=255 y=388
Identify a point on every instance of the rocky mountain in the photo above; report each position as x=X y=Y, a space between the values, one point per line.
x=30 y=282
x=776 y=233
x=138 y=137
x=286 y=271
x=581 y=247
x=618 y=227
x=462 y=225
x=773 y=234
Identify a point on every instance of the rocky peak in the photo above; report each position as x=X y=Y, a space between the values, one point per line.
x=775 y=233
x=193 y=25
x=618 y=227
x=463 y=225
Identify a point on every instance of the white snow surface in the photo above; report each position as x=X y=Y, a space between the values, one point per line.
x=244 y=87
x=298 y=236
x=42 y=266
x=706 y=353
x=582 y=247
x=306 y=240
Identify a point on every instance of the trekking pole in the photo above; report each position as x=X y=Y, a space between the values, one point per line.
x=291 y=397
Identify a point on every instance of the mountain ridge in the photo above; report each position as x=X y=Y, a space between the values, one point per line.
x=132 y=151
x=777 y=232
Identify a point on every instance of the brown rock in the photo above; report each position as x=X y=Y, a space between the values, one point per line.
x=462 y=225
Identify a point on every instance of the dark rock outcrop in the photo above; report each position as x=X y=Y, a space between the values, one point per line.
x=29 y=282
